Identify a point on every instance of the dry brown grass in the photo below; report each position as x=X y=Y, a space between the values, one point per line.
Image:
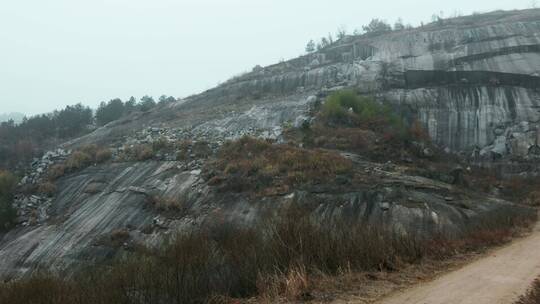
x=277 y=260
x=139 y=152
x=186 y=149
x=47 y=188
x=524 y=190
x=94 y=188
x=39 y=289
x=78 y=160
x=116 y=239
x=520 y=190
x=143 y=152
x=56 y=171
x=103 y=155
x=202 y=149
x=532 y=296
x=361 y=124
x=533 y=199
x=346 y=139
x=161 y=144
x=163 y=203
x=292 y=286
x=183 y=148
x=256 y=165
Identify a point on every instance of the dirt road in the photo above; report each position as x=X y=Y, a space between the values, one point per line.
x=499 y=278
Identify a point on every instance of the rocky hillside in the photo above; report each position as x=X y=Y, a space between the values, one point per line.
x=472 y=82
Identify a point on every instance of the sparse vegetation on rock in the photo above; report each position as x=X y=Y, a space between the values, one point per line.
x=251 y=164
x=143 y=152
x=165 y=203
x=86 y=156
x=78 y=160
x=532 y=296
x=380 y=195
x=47 y=189
x=347 y=108
x=8 y=214
x=274 y=260
x=350 y=122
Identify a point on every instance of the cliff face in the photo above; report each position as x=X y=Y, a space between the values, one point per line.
x=472 y=81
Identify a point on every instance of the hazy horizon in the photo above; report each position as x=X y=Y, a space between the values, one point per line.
x=61 y=52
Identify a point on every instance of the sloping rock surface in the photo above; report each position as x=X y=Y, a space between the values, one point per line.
x=472 y=81
x=109 y=208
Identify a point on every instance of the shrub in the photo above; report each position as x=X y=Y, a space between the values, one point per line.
x=94 y=188
x=95 y=154
x=40 y=288
x=518 y=189
x=161 y=144
x=293 y=285
x=116 y=239
x=346 y=108
x=258 y=165
x=47 y=188
x=274 y=259
x=348 y=139
x=522 y=190
x=199 y=149
x=164 y=203
x=102 y=155
x=56 y=171
x=533 y=199
x=418 y=132
x=354 y=123
x=532 y=296
x=183 y=150
x=202 y=149
x=8 y=214
x=89 y=149
x=78 y=160
x=140 y=152
x=143 y=152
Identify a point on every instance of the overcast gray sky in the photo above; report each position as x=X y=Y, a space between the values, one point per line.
x=59 y=52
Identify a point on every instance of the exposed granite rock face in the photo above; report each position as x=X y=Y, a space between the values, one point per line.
x=94 y=205
x=79 y=217
x=474 y=82
x=470 y=80
x=465 y=79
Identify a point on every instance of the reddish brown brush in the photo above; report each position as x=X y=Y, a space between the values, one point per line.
x=532 y=296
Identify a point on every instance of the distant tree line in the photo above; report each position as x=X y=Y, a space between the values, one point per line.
x=20 y=142
x=376 y=26
x=8 y=214
x=116 y=108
